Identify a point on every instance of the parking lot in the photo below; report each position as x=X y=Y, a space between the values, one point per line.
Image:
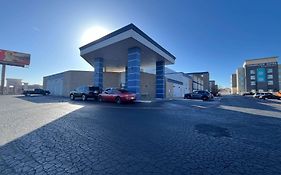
x=51 y=135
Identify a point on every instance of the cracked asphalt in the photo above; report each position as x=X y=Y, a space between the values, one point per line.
x=49 y=135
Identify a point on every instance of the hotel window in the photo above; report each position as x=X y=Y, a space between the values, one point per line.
x=253 y=83
x=253 y=77
x=270 y=82
x=270 y=77
x=252 y=72
x=269 y=71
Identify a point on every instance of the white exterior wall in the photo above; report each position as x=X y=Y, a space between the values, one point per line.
x=178 y=89
x=55 y=84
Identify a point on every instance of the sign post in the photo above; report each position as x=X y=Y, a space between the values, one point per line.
x=3 y=78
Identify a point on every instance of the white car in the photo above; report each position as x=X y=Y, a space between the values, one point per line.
x=257 y=95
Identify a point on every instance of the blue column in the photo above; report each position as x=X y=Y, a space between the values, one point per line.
x=126 y=77
x=160 y=80
x=133 y=70
x=98 y=75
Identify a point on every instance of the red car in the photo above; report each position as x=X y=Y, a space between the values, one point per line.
x=117 y=95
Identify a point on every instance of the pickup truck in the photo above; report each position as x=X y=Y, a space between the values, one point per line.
x=36 y=91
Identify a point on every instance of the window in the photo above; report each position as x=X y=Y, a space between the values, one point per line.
x=269 y=76
x=253 y=77
x=270 y=82
x=252 y=72
x=269 y=70
x=253 y=83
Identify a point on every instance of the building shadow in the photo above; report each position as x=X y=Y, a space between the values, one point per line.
x=249 y=102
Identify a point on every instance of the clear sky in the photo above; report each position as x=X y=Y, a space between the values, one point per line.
x=204 y=35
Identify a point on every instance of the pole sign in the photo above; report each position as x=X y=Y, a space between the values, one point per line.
x=14 y=58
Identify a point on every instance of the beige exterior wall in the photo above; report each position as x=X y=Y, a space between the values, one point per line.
x=148 y=85
x=74 y=79
x=111 y=79
x=169 y=89
x=233 y=90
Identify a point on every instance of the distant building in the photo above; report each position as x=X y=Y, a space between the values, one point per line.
x=225 y=91
x=197 y=82
x=13 y=86
x=261 y=75
x=213 y=86
x=240 y=78
x=233 y=84
x=201 y=80
x=258 y=75
x=279 y=74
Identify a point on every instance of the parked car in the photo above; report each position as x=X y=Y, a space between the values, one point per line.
x=117 y=95
x=36 y=92
x=203 y=95
x=248 y=93
x=269 y=96
x=85 y=92
x=258 y=94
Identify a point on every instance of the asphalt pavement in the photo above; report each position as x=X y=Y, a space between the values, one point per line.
x=229 y=135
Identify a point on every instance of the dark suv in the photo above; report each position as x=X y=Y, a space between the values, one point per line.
x=203 y=95
x=85 y=92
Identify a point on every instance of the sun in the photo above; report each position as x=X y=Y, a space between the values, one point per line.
x=92 y=34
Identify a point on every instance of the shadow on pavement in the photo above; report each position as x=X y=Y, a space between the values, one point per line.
x=249 y=102
x=117 y=141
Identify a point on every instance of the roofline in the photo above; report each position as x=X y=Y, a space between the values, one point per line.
x=197 y=73
x=67 y=71
x=261 y=58
x=124 y=29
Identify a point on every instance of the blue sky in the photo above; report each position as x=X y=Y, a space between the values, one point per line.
x=204 y=35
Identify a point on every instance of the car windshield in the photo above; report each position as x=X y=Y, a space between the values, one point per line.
x=93 y=88
x=123 y=91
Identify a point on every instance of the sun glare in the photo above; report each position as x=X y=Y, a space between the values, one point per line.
x=93 y=34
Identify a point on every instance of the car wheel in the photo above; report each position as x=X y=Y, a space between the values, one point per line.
x=204 y=98
x=100 y=99
x=84 y=98
x=72 y=97
x=118 y=100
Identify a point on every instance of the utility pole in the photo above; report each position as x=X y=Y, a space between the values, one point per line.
x=3 y=78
